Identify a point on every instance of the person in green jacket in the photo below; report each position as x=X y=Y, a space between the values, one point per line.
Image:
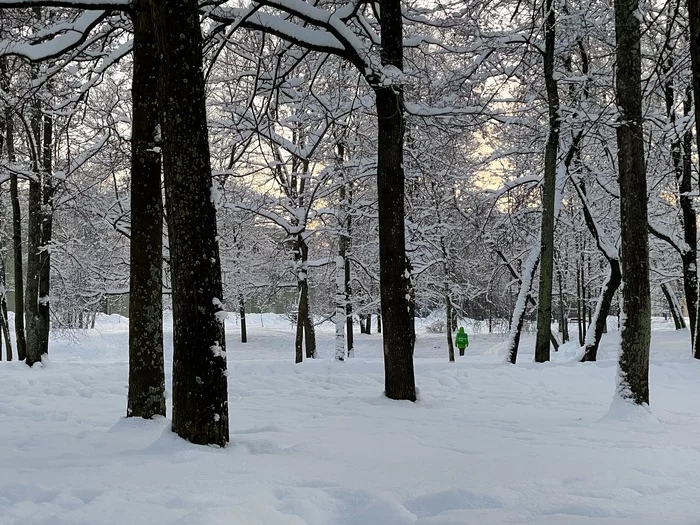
x=462 y=340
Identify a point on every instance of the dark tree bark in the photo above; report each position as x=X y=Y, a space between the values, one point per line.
x=200 y=396
x=448 y=326
x=146 y=365
x=349 y=334
x=4 y=321
x=309 y=328
x=244 y=326
x=305 y=325
x=309 y=331
x=16 y=243
x=398 y=336
x=673 y=306
x=563 y=318
x=34 y=221
x=579 y=303
x=44 y=309
x=689 y=258
x=411 y=301
x=544 y=302
x=299 y=337
x=636 y=297
x=368 y=323
x=694 y=26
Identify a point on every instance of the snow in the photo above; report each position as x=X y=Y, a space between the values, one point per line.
x=318 y=444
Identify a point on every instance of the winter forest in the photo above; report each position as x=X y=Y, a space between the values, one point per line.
x=349 y=262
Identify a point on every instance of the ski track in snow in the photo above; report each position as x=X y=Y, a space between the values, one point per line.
x=318 y=444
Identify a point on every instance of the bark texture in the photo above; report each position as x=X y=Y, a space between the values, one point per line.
x=34 y=220
x=448 y=326
x=44 y=310
x=244 y=326
x=4 y=322
x=694 y=27
x=636 y=297
x=16 y=242
x=544 y=303
x=395 y=290
x=200 y=397
x=146 y=367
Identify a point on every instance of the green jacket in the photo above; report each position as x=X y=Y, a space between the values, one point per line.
x=462 y=339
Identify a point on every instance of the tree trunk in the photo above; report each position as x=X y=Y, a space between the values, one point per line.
x=518 y=317
x=600 y=318
x=309 y=331
x=341 y=297
x=302 y=305
x=304 y=312
x=299 y=337
x=348 y=288
x=340 y=301
x=146 y=365
x=636 y=298
x=34 y=221
x=394 y=285
x=241 y=312
x=343 y=313
x=690 y=228
x=673 y=306
x=44 y=317
x=16 y=242
x=544 y=301
x=579 y=309
x=411 y=303
x=368 y=323
x=399 y=331
x=200 y=395
x=563 y=320
x=379 y=322
x=694 y=26
x=448 y=325
x=4 y=321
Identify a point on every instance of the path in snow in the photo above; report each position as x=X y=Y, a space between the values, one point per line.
x=318 y=444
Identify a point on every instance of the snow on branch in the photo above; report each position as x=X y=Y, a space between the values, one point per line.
x=512 y=184
x=68 y=36
x=88 y=5
x=332 y=36
x=669 y=237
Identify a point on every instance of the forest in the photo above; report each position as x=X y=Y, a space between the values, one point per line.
x=348 y=171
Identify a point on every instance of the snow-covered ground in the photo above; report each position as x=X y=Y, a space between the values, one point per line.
x=317 y=444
